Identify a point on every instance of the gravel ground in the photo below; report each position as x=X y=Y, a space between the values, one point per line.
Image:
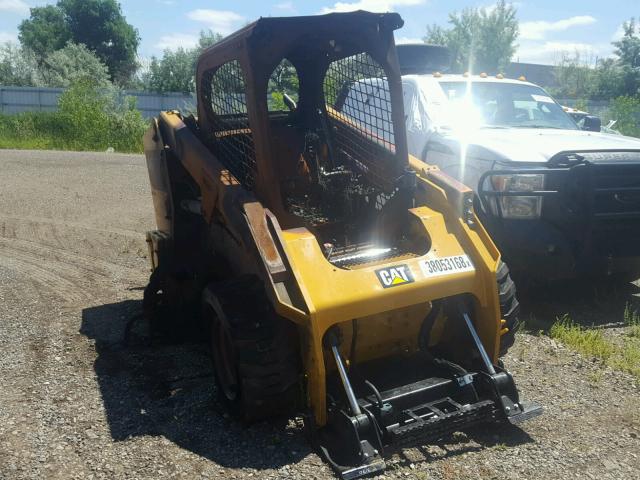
x=75 y=402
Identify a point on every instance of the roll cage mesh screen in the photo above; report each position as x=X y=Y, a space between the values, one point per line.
x=359 y=107
x=232 y=139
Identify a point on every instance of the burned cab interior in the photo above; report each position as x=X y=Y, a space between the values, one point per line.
x=321 y=135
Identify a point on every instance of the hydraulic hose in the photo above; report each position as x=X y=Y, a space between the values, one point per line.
x=427 y=325
x=375 y=391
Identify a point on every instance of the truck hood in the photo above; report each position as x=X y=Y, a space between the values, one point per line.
x=528 y=145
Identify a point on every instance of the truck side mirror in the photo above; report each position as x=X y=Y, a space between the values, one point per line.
x=591 y=123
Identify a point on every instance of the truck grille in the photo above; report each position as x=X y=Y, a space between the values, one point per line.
x=616 y=190
x=606 y=196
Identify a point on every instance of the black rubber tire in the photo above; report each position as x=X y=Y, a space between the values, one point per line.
x=170 y=304
x=265 y=347
x=509 y=307
x=157 y=306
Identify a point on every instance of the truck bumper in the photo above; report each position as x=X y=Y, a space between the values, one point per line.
x=540 y=250
x=590 y=218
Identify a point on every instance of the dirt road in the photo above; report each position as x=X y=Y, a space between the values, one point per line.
x=75 y=402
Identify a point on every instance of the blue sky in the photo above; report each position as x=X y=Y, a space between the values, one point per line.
x=548 y=27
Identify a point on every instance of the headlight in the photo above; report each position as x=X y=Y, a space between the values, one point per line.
x=518 y=206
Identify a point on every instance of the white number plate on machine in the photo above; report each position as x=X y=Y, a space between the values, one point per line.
x=434 y=267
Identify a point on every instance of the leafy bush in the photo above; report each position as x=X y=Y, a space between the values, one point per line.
x=33 y=130
x=626 y=112
x=61 y=68
x=71 y=64
x=88 y=118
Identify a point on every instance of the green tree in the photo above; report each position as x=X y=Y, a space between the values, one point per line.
x=98 y=24
x=175 y=70
x=437 y=35
x=628 y=53
x=207 y=38
x=479 y=39
x=574 y=76
x=45 y=31
x=607 y=80
x=18 y=66
x=628 y=47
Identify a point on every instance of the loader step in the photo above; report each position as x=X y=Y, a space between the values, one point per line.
x=529 y=411
x=435 y=420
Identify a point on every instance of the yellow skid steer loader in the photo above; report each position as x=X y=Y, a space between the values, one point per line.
x=335 y=274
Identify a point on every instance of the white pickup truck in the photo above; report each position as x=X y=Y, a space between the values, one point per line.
x=559 y=201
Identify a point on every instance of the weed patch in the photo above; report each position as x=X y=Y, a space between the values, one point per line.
x=632 y=320
x=622 y=355
x=88 y=118
x=589 y=342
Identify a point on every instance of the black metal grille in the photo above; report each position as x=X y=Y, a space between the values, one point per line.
x=232 y=136
x=359 y=105
x=361 y=254
x=617 y=190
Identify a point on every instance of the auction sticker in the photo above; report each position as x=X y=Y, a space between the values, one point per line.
x=435 y=267
x=542 y=98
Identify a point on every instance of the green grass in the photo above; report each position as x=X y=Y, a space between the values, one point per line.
x=14 y=142
x=88 y=118
x=53 y=131
x=622 y=354
x=632 y=320
x=589 y=342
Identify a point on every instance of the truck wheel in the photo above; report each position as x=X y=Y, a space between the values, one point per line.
x=255 y=352
x=509 y=307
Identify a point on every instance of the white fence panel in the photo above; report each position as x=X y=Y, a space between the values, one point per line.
x=34 y=99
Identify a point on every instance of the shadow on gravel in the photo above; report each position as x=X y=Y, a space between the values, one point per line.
x=506 y=435
x=168 y=390
x=473 y=440
x=599 y=303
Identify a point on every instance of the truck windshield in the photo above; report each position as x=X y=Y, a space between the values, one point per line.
x=501 y=104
